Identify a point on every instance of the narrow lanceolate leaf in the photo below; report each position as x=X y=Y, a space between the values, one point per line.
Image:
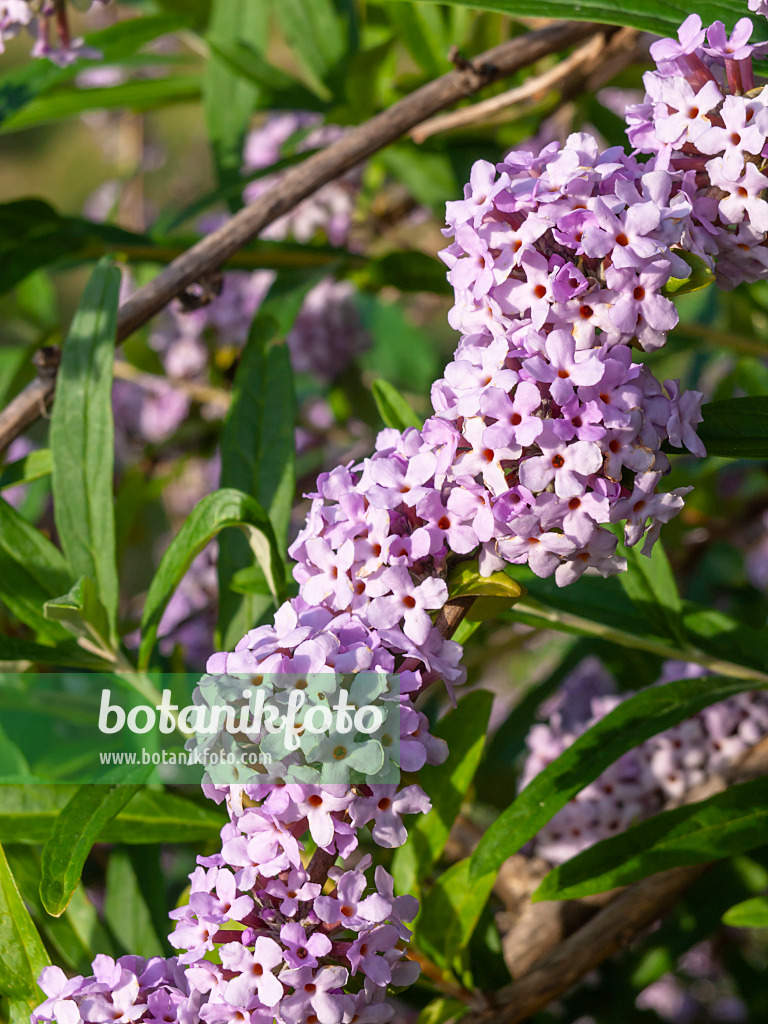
x=450 y=912
x=82 y=439
x=320 y=33
x=393 y=408
x=661 y=16
x=729 y=823
x=28 y=815
x=125 y=907
x=230 y=97
x=749 y=914
x=464 y=730
x=650 y=584
x=209 y=517
x=257 y=457
x=32 y=570
x=736 y=428
x=632 y=722
x=76 y=829
x=22 y=956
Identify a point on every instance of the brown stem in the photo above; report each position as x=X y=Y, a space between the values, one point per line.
x=301 y=181
x=626 y=914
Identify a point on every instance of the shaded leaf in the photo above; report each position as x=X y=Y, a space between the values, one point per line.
x=634 y=720
x=729 y=823
x=736 y=428
x=28 y=814
x=209 y=517
x=464 y=730
x=32 y=570
x=229 y=98
x=393 y=408
x=450 y=913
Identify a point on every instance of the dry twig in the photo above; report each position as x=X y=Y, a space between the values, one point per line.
x=595 y=63
x=214 y=250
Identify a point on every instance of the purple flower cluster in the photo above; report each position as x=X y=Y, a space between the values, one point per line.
x=706 y=126
x=129 y=989
x=640 y=783
x=288 y=949
x=558 y=265
x=38 y=17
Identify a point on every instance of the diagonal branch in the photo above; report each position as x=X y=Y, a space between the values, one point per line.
x=301 y=181
x=563 y=961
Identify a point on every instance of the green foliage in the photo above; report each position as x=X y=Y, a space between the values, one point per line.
x=752 y=913
x=75 y=830
x=726 y=824
x=635 y=720
x=258 y=454
x=22 y=955
x=214 y=513
x=32 y=572
x=82 y=440
x=393 y=408
x=464 y=730
x=736 y=428
x=230 y=97
x=29 y=813
x=660 y=16
x=450 y=913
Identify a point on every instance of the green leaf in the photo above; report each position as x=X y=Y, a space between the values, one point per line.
x=661 y=16
x=75 y=831
x=125 y=906
x=138 y=96
x=273 y=83
x=494 y=594
x=258 y=455
x=650 y=585
x=23 y=471
x=450 y=912
x=82 y=439
x=699 y=277
x=635 y=720
x=22 y=956
x=393 y=408
x=441 y=1010
x=464 y=730
x=422 y=32
x=83 y=615
x=320 y=33
x=209 y=517
x=736 y=428
x=230 y=99
x=749 y=914
x=33 y=234
x=73 y=937
x=32 y=570
x=33 y=78
x=66 y=654
x=28 y=815
x=726 y=824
